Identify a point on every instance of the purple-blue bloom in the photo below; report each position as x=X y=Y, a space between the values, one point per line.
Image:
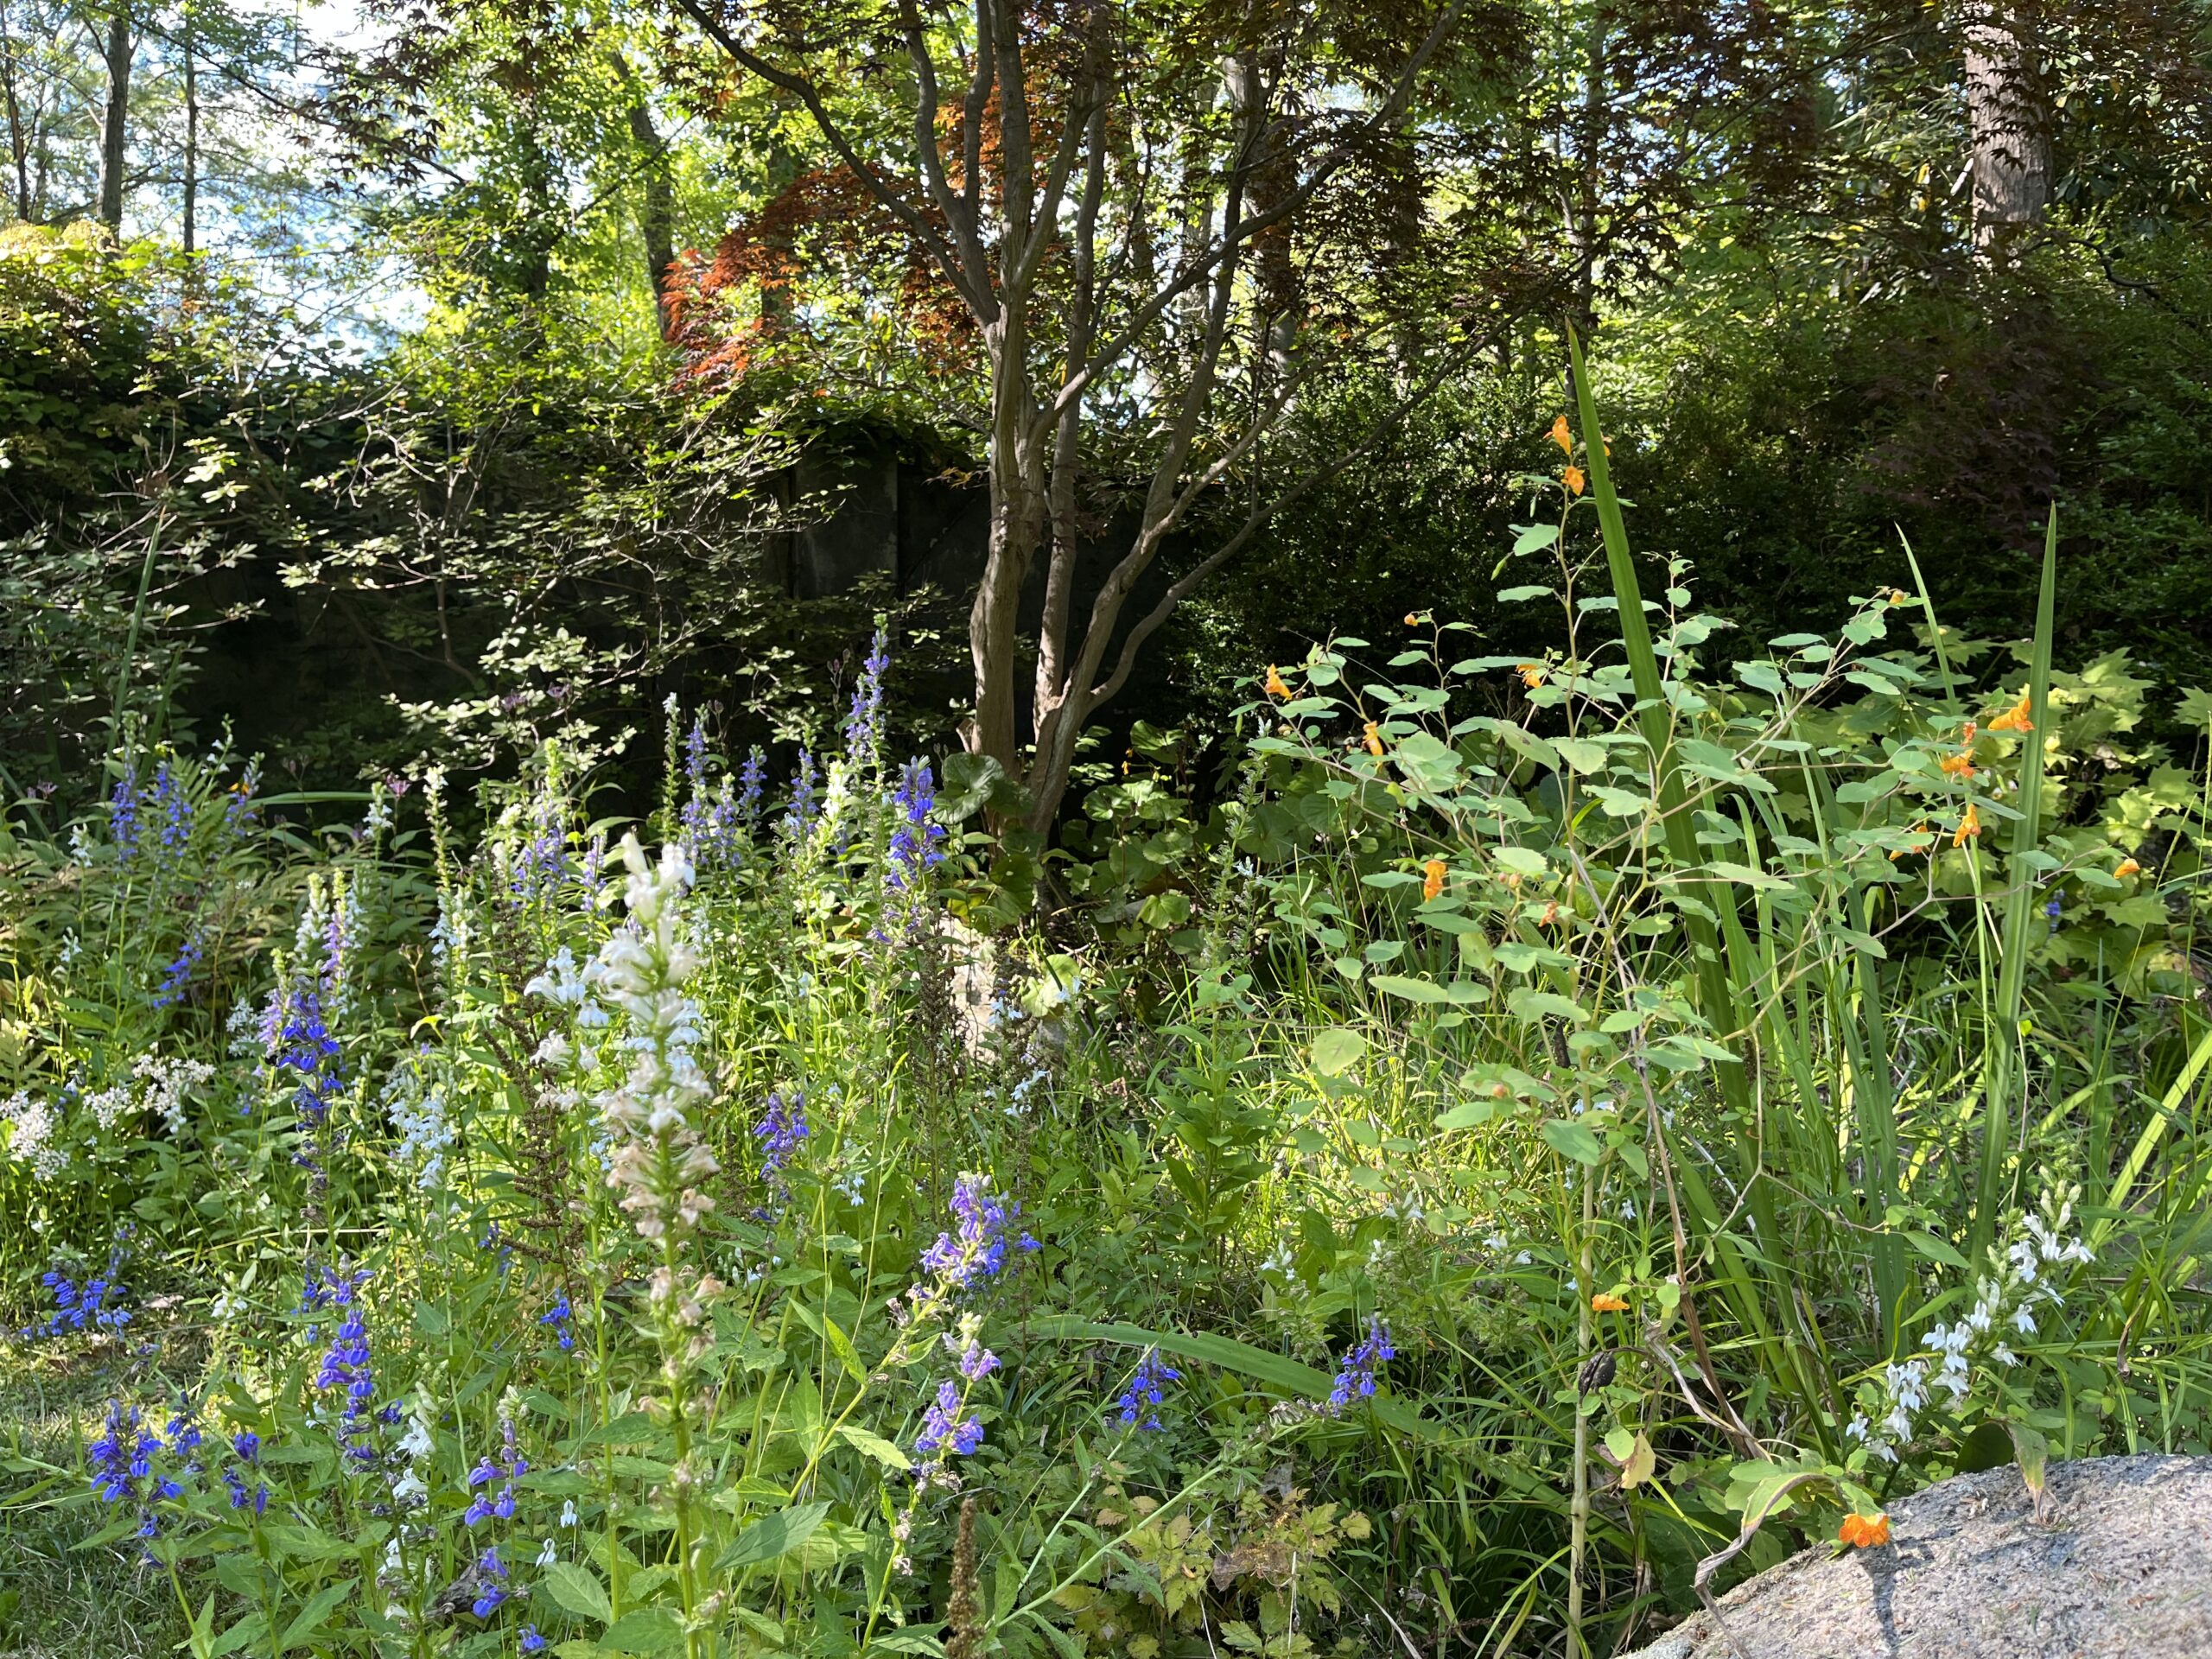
x=749 y=781
x=563 y=1318
x=945 y=1428
x=864 y=724
x=781 y=1127
x=176 y=978
x=175 y=809
x=977 y=1250
x=97 y=1305
x=308 y=1049
x=1145 y=1392
x=345 y=1362
x=799 y=820
x=1356 y=1380
x=493 y=1568
x=914 y=838
x=122 y=802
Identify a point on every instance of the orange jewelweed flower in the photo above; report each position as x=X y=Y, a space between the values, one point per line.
x=2015 y=719
x=2126 y=867
x=1532 y=674
x=1967 y=732
x=1374 y=740
x=1413 y=619
x=1958 y=765
x=1574 y=479
x=1920 y=829
x=1607 y=1303
x=1275 y=686
x=1864 y=1531
x=1969 y=825
x=1563 y=435
x=1431 y=878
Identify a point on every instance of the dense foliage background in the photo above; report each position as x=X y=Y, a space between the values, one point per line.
x=1618 y=972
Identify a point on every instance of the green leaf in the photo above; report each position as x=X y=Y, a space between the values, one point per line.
x=772 y=1536
x=1570 y=1140
x=874 y=1445
x=1936 y=1250
x=2032 y=1452
x=1428 y=763
x=644 y=1630
x=1336 y=1050
x=310 y=1618
x=1413 y=990
x=578 y=1592
x=1580 y=754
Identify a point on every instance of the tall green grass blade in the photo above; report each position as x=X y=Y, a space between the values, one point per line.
x=2006 y=1069
x=1717 y=1003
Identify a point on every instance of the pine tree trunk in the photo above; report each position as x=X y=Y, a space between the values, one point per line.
x=115 y=127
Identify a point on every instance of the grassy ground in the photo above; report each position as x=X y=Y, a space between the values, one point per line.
x=58 y=1598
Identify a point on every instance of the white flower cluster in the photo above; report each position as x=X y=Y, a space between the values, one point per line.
x=167 y=1083
x=660 y=1164
x=2022 y=1275
x=426 y=1136
x=30 y=1135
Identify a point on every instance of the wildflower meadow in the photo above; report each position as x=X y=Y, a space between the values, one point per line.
x=1534 y=1140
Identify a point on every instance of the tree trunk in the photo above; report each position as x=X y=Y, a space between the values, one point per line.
x=657 y=215
x=18 y=139
x=115 y=126
x=191 y=139
x=2008 y=125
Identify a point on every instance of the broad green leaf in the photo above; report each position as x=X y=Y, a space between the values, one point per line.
x=1336 y=1050
x=310 y=1618
x=1413 y=990
x=644 y=1630
x=874 y=1445
x=772 y=1536
x=578 y=1591
x=1572 y=1140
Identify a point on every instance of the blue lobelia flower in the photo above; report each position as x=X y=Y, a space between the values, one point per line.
x=1356 y=1380
x=749 y=781
x=1139 y=1402
x=122 y=1467
x=915 y=837
x=123 y=804
x=175 y=809
x=864 y=723
x=799 y=817
x=944 y=1427
x=563 y=1318
x=492 y=1578
x=346 y=1362
x=307 y=1048
x=176 y=978
x=977 y=1250
x=781 y=1127
x=507 y=1469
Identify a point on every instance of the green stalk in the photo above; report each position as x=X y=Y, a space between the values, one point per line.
x=131 y=640
x=1715 y=1000
x=2004 y=1066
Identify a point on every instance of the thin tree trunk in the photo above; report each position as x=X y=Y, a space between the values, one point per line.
x=657 y=215
x=2008 y=125
x=114 y=128
x=191 y=138
x=18 y=139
